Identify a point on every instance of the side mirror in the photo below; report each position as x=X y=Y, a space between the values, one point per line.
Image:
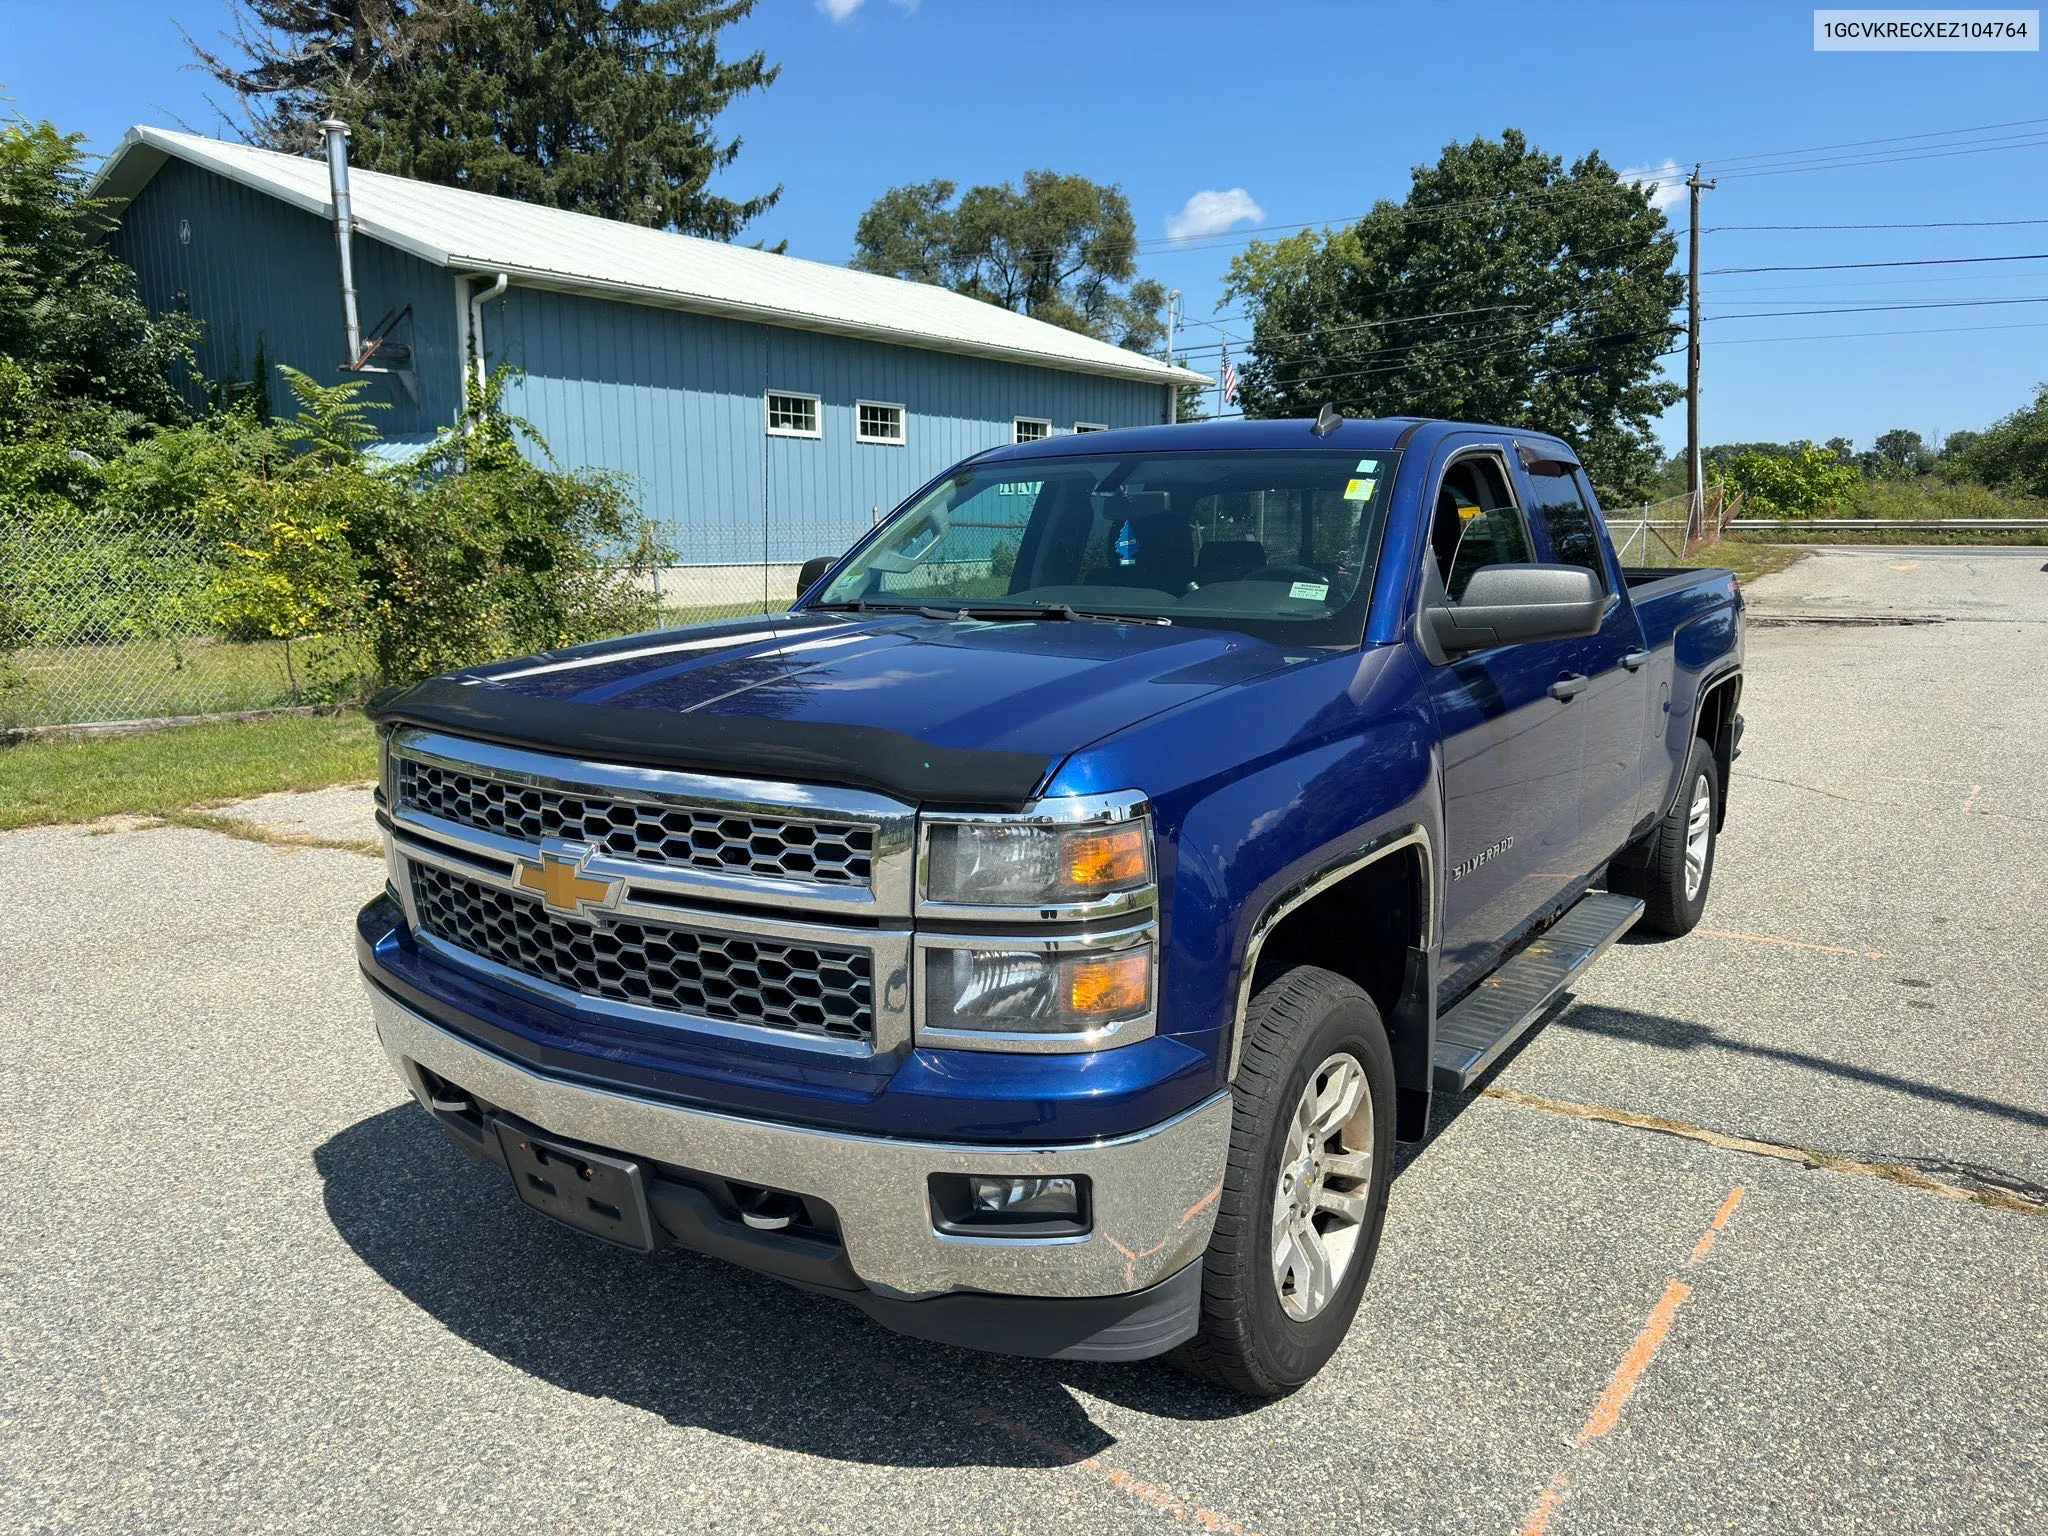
x=1516 y=604
x=813 y=572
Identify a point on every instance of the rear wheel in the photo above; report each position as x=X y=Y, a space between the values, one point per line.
x=1305 y=1189
x=1674 y=868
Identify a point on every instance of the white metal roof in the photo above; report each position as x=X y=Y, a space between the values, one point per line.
x=577 y=253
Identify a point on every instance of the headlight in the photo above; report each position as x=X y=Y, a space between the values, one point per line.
x=1026 y=864
x=999 y=991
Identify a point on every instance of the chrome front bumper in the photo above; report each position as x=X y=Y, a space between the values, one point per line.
x=1155 y=1192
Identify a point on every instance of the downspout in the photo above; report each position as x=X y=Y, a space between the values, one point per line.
x=336 y=134
x=476 y=324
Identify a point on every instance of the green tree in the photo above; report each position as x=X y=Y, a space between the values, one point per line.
x=1805 y=482
x=70 y=318
x=1901 y=452
x=1506 y=288
x=2009 y=455
x=1064 y=250
x=608 y=107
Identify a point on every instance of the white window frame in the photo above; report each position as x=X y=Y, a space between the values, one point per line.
x=768 y=413
x=1090 y=426
x=902 y=437
x=1018 y=423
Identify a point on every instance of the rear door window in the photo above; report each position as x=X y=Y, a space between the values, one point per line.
x=1569 y=521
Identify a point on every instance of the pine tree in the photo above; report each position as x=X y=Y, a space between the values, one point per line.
x=607 y=107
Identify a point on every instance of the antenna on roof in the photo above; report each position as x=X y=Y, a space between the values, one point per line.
x=1328 y=420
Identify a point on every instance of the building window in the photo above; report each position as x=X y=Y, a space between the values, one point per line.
x=792 y=415
x=875 y=422
x=1089 y=426
x=1030 y=430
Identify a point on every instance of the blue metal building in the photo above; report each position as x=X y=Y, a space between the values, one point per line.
x=764 y=408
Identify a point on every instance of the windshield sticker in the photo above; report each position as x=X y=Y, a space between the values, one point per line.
x=1312 y=591
x=1368 y=466
x=1359 y=490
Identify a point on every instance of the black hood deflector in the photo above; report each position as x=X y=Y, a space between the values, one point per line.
x=856 y=756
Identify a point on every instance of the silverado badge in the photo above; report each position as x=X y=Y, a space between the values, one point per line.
x=560 y=880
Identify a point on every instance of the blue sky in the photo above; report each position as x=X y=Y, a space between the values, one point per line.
x=1285 y=113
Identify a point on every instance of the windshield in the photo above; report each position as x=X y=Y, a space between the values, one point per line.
x=1247 y=540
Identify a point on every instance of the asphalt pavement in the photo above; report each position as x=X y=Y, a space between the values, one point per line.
x=246 y=1287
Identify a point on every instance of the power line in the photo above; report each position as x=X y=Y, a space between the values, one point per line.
x=1719 y=229
x=1855 y=266
x=1878 y=309
x=1845 y=163
x=1925 y=330
x=1938 y=133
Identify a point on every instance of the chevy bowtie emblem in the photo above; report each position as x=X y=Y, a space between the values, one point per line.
x=563 y=886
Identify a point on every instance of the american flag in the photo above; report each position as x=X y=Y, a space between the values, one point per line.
x=1229 y=378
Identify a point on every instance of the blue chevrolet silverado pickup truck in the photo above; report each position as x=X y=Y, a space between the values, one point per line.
x=1040 y=935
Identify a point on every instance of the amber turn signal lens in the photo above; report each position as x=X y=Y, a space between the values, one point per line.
x=1120 y=984
x=1094 y=860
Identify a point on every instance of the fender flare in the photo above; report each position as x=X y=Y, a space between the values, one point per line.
x=1304 y=890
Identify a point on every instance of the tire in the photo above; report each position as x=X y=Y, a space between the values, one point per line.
x=1265 y=1330
x=1673 y=869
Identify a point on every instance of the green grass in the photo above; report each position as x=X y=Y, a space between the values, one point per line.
x=73 y=780
x=1746 y=555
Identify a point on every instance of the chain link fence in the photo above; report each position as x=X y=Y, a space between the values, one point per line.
x=104 y=621
x=1658 y=535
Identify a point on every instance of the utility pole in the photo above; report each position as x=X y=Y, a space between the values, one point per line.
x=1172 y=390
x=1695 y=512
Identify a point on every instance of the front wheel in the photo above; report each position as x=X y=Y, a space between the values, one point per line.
x=1674 y=868
x=1305 y=1188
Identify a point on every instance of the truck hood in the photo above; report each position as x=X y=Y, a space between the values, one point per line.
x=927 y=708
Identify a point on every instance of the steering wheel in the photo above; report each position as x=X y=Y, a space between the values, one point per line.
x=1287 y=573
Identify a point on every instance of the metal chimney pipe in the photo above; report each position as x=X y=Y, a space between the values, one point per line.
x=335 y=132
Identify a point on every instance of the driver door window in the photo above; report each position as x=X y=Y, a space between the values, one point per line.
x=1476 y=523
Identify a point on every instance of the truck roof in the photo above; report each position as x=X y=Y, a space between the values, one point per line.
x=1375 y=435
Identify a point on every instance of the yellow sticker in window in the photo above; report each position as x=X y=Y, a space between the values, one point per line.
x=1360 y=490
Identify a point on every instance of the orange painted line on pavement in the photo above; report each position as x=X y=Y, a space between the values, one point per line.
x=1713 y=1233
x=1607 y=1412
x=1539 y=1517
x=1761 y=938
x=1621 y=1386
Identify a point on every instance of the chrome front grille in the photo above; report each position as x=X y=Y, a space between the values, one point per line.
x=805 y=989
x=706 y=838
x=662 y=899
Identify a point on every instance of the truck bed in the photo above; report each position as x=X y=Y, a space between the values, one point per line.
x=1646 y=581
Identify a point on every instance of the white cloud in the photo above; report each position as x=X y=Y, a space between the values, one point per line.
x=1211 y=213
x=839 y=10
x=1665 y=183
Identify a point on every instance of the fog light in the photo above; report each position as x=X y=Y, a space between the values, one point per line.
x=984 y=1205
x=1023 y=1197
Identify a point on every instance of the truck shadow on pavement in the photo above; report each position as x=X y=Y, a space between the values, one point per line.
x=700 y=1342
x=1672 y=1034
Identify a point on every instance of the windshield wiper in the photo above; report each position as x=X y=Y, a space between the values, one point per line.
x=996 y=613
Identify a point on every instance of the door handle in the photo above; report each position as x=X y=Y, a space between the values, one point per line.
x=1634 y=660
x=1568 y=688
